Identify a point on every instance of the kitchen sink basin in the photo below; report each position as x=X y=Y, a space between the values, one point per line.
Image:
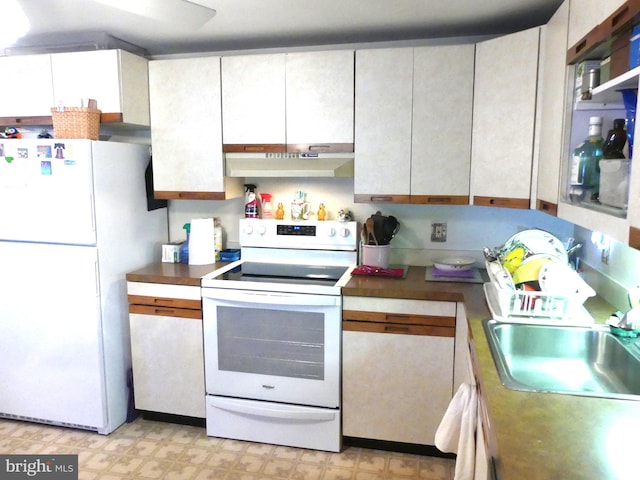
x=587 y=361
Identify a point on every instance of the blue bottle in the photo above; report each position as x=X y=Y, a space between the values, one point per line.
x=184 y=248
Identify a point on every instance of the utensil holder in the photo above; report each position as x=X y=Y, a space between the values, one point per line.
x=376 y=255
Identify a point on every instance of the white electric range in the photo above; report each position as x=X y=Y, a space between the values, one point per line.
x=272 y=334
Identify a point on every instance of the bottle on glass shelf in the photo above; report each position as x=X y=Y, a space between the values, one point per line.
x=584 y=180
x=616 y=140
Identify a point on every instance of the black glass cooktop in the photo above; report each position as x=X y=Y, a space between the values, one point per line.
x=285 y=273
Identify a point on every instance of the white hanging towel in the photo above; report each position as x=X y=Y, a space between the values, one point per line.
x=457 y=431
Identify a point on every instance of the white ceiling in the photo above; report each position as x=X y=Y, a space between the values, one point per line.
x=174 y=26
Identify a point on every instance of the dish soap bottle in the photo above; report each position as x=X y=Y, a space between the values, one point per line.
x=585 y=169
x=616 y=140
x=251 y=202
x=267 y=207
x=184 y=248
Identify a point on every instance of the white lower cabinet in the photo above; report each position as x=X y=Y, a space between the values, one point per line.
x=397 y=368
x=485 y=442
x=166 y=348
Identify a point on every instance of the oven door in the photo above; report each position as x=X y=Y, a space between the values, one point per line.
x=281 y=347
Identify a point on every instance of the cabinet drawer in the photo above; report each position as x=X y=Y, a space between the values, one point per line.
x=164 y=290
x=160 y=311
x=165 y=302
x=398 y=328
x=400 y=305
x=400 y=316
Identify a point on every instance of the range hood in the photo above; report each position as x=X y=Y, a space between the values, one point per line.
x=289 y=164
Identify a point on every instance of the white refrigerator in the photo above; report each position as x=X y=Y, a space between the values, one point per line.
x=73 y=222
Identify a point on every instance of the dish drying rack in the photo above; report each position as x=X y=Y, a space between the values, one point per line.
x=525 y=306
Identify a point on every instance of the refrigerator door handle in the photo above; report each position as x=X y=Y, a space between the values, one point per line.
x=93 y=213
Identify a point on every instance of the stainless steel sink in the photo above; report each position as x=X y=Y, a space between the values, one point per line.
x=560 y=359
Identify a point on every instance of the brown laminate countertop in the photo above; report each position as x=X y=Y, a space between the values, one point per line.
x=538 y=435
x=173 y=273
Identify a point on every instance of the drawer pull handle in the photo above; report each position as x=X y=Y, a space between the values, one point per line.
x=164 y=301
x=164 y=311
x=394 y=328
x=620 y=16
x=319 y=148
x=439 y=200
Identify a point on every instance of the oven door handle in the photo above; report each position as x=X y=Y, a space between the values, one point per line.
x=270 y=298
x=269 y=410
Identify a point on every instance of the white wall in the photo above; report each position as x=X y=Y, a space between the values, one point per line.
x=469 y=228
x=611 y=280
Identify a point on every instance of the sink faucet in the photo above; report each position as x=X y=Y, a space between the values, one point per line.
x=630 y=320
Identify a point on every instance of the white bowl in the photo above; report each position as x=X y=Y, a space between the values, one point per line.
x=454 y=264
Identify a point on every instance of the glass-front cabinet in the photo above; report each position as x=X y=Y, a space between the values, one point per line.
x=597 y=185
x=596 y=175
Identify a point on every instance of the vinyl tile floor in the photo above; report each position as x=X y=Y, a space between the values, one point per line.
x=146 y=449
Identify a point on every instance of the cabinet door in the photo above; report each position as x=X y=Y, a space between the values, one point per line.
x=26 y=93
x=253 y=99
x=168 y=363
x=320 y=98
x=118 y=80
x=395 y=387
x=553 y=106
x=397 y=367
x=384 y=82
x=504 y=110
x=585 y=15
x=633 y=214
x=441 y=131
x=186 y=129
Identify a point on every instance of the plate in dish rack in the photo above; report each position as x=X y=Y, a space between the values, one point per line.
x=454 y=264
x=531 y=242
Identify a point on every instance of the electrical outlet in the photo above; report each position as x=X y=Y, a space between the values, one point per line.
x=439 y=232
x=604 y=256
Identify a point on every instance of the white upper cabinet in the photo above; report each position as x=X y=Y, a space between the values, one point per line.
x=552 y=109
x=610 y=214
x=253 y=99
x=186 y=130
x=26 y=85
x=117 y=79
x=585 y=15
x=413 y=124
x=506 y=79
x=275 y=100
x=441 y=130
x=320 y=98
x=384 y=83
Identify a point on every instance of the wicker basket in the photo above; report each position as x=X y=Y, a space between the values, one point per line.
x=76 y=122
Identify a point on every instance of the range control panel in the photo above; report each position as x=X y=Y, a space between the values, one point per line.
x=298 y=230
x=302 y=234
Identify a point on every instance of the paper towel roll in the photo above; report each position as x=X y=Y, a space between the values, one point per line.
x=202 y=242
